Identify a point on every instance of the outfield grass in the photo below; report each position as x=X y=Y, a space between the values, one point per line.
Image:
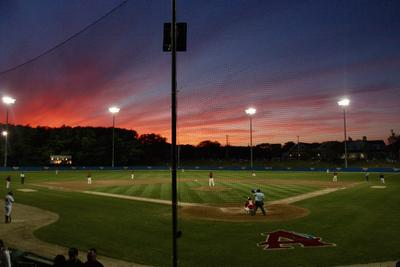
x=361 y=221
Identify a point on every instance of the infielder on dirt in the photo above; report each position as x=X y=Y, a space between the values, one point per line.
x=334 y=179
x=211 y=179
x=8 y=182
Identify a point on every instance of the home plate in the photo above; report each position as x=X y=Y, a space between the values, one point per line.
x=26 y=190
x=378 y=186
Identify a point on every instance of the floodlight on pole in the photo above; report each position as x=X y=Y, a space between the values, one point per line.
x=251 y=111
x=345 y=102
x=113 y=110
x=8 y=101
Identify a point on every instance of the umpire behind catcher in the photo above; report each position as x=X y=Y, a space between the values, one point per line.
x=259 y=202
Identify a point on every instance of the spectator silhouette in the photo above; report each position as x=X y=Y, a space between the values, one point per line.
x=5 y=260
x=92 y=259
x=59 y=261
x=73 y=260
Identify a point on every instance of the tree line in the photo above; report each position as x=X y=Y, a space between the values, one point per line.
x=88 y=146
x=92 y=146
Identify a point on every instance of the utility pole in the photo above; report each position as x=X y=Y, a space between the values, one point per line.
x=174 y=40
x=173 y=139
x=6 y=140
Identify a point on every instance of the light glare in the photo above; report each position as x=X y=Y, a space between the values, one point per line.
x=344 y=102
x=4 y=133
x=114 y=110
x=8 y=100
x=250 y=111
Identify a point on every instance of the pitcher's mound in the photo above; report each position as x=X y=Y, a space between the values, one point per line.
x=275 y=212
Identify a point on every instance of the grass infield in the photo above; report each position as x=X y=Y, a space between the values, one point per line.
x=361 y=221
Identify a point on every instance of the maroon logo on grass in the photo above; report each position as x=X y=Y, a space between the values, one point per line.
x=282 y=239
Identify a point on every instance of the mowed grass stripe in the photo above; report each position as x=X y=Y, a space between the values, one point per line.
x=139 y=190
x=118 y=190
x=236 y=192
x=187 y=194
x=243 y=189
x=279 y=192
x=272 y=194
x=182 y=194
x=165 y=191
x=294 y=189
x=197 y=196
x=283 y=189
x=230 y=194
x=131 y=190
x=156 y=191
x=147 y=191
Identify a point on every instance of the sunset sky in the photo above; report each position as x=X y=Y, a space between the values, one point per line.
x=291 y=60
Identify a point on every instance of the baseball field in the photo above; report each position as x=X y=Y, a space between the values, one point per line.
x=351 y=221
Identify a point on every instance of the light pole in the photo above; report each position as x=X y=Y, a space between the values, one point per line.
x=344 y=103
x=114 y=111
x=298 y=147
x=7 y=101
x=251 y=112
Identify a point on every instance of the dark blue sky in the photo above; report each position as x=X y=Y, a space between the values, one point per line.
x=292 y=60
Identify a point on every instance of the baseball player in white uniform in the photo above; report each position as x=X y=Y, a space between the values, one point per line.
x=211 y=179
x=9 y=200
x=335 y=177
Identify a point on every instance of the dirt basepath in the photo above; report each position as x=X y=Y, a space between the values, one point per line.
x=25 y=220
x=297 y=198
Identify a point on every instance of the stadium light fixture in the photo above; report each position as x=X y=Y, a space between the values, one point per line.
x=344 y=102
x=8 y=101
x=4 y=133
x=251 y=111
x=113 y=110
